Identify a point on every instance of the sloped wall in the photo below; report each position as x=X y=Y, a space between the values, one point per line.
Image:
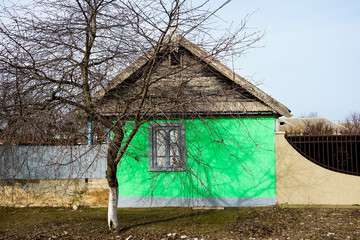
x=299 y=181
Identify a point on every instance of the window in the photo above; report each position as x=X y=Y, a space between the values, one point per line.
x=175 y=59
x=167 y=146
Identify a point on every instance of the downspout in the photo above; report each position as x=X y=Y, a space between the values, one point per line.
x=90 y=132
x=108 y=136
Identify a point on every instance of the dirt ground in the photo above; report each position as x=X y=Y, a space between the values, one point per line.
x=182 y=223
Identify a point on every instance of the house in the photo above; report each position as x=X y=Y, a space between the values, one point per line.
x=207 y=137
x=310 y=126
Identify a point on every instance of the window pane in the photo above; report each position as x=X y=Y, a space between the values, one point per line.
x=161 y=161
x=160 y=143
x=173 y=135
x=174 y=149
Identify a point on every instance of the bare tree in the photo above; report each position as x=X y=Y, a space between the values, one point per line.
x=61 y=57
x=309 y=115
x=310 y=124
x=352 y=124
x=317 y=127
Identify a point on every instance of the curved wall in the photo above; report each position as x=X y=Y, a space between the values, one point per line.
x=299 y=181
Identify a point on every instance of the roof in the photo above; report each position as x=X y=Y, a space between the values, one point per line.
x=179 y=41
x=300 y=121
x=288 y=123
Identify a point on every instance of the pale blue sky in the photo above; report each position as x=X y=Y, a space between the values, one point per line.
x=310 y=61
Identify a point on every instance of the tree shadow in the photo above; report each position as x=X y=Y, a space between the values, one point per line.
x=194 y=214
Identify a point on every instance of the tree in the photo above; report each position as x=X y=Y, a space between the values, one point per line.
x=310 y=124
x=60 y=56
x=317 y=126
x=352 y=124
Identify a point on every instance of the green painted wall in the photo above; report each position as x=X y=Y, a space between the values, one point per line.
x=225 y=158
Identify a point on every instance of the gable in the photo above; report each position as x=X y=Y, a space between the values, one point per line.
x=185 y=86
x=187 y=81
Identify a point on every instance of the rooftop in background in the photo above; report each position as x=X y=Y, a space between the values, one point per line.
x=310 y=126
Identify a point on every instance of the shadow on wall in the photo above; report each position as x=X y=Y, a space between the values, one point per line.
x=224 y=167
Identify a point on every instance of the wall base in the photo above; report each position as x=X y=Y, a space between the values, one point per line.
x=54 y=193
x=194 y=202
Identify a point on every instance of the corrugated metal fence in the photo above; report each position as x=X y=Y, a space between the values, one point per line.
x=340 y=153
x=52 y=162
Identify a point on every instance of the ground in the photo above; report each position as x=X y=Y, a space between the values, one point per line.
x=176 y=223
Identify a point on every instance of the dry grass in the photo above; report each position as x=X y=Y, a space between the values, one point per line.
x=157 y=223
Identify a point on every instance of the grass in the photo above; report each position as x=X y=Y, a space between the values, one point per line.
x=157 y=223
x=26 y=221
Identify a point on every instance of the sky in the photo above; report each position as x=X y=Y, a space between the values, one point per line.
x=310 y=59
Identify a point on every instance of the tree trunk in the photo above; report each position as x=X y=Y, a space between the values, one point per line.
x=112 y=153
x=112 y=209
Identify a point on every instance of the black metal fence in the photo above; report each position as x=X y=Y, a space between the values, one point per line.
x=340 y=153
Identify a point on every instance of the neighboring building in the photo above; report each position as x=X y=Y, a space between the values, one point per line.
x=210 y=137
x=310 y=126
x=57 y=176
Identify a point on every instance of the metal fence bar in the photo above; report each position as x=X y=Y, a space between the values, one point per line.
x=350 y=147
x=356 y=156
x=339 y=153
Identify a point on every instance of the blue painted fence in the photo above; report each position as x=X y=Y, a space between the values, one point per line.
x=52 y=162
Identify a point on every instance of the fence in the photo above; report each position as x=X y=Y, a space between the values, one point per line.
x=52 y=162
x=339 y=153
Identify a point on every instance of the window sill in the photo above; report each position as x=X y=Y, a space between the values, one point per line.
x=168 y=169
